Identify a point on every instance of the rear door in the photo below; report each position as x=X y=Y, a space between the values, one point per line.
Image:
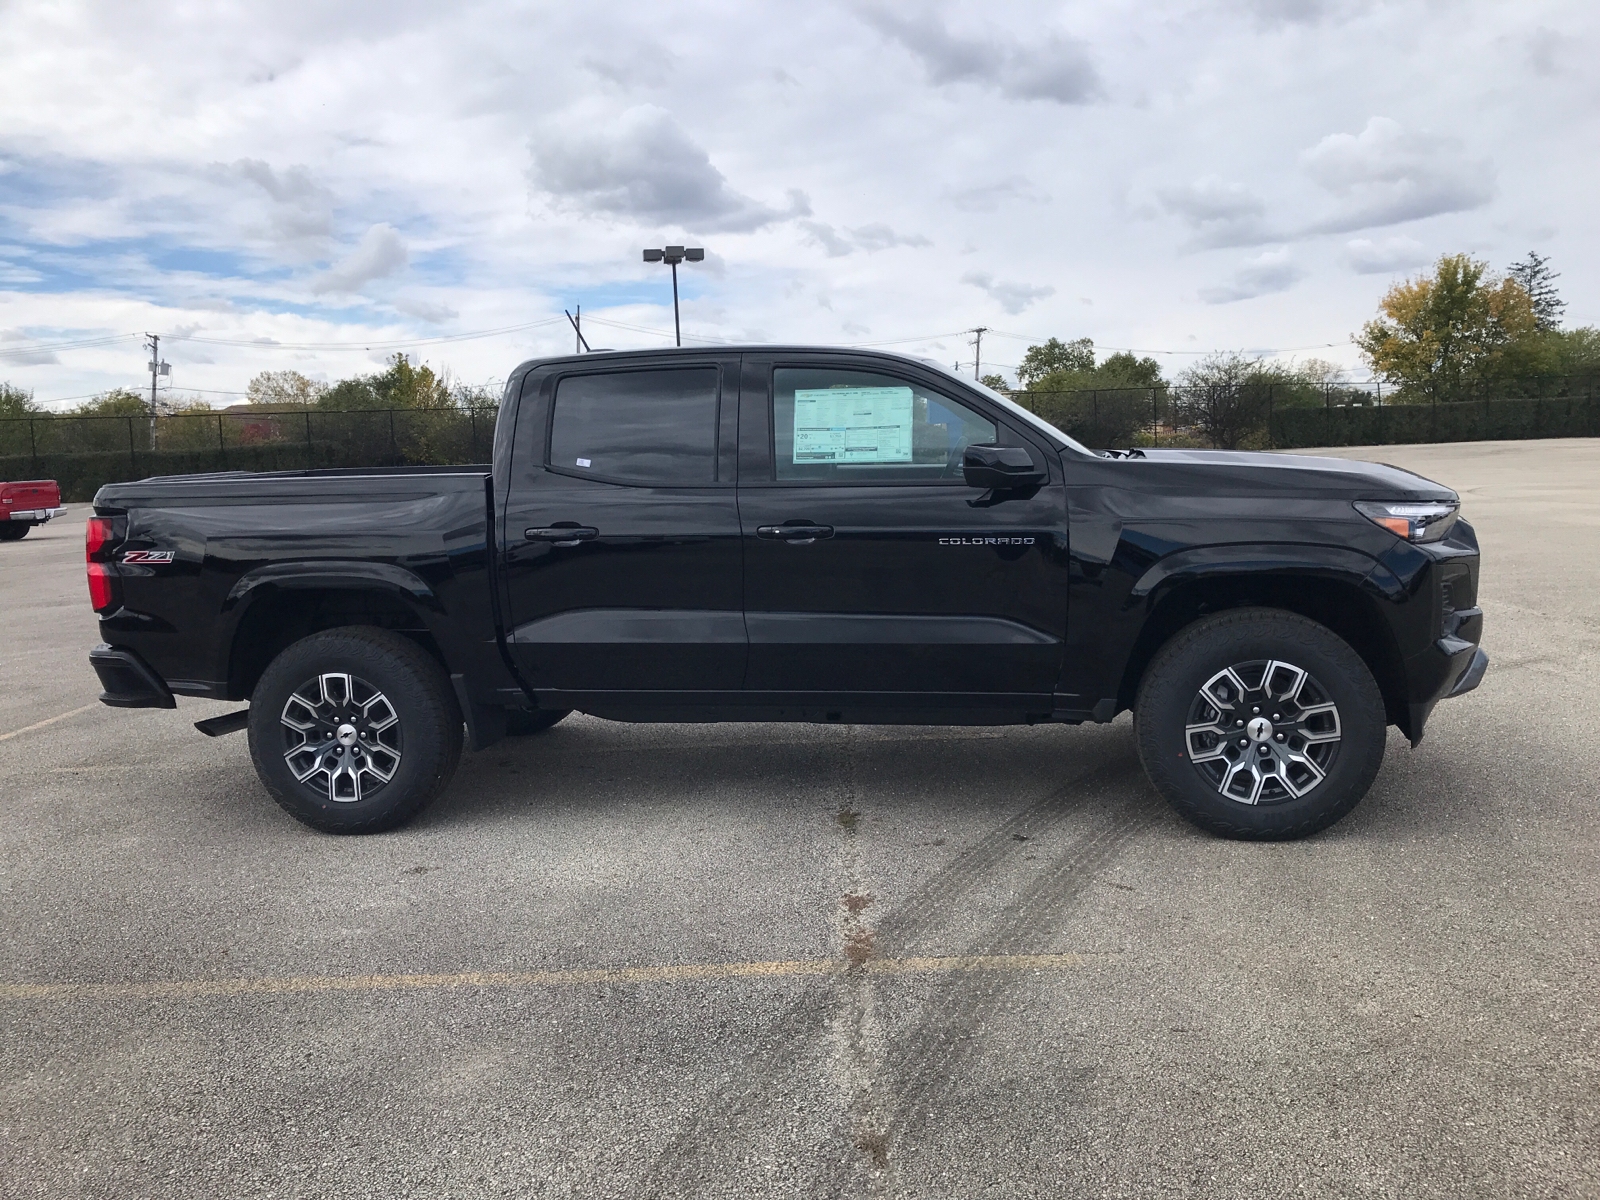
x=871 y=568
x=622 y=529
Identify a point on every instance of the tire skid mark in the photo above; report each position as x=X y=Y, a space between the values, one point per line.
x=951 y=1029
x=933 y=906
x=722 y=1123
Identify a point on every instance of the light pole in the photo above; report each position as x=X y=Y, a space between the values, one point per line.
x=673 y=255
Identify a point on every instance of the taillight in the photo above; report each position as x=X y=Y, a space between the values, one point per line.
x=99 y=540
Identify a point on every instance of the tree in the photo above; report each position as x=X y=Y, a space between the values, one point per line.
x=997 y=382
x=1100 y=405
x=406 y=386
x=118 y=402
x=1534 y=276
x=1222 y=398
x=1052 y=357
x=284 y=389
x=14 y=402
x=1455 y=329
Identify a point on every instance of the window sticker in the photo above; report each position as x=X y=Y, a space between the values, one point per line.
x=852 y=425
x=583 y=462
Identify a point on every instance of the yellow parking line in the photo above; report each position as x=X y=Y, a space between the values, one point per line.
x=6 y=737
x=289 y=985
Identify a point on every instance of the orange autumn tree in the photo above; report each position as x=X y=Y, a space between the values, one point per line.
x=1452 y=332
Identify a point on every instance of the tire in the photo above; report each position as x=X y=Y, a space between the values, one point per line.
x=1319 y=758
x=14 y=531
x=383 y=707
x=522 y=722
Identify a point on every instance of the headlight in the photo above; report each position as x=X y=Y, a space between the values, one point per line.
x=1427 y=521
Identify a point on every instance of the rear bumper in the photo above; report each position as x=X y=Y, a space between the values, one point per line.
x=37 y=515
x=128 y=680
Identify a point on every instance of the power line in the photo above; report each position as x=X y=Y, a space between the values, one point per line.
x=76 y=344
x=272 y=344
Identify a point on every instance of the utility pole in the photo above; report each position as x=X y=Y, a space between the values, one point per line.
x=577 y=328
x=154 y=346
x=977 y=354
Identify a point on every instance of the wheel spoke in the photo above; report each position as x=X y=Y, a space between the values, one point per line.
x=342 y=737
x=1262 y=732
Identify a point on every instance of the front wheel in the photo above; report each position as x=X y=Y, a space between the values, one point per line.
x=1260 y=724
x=354 y=730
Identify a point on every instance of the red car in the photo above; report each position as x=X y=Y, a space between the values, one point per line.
x=24 y=505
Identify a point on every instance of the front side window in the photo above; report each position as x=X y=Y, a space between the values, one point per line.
x=644 y=427
x=842 y=426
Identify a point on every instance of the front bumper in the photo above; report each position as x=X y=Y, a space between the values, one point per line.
x=37 y=515
x=128 y=680
x=1472 y=676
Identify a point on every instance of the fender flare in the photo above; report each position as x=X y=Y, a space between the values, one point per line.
x=331 y=572
x=1242 y=560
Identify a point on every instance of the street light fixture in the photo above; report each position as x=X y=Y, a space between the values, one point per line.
x=673 y=255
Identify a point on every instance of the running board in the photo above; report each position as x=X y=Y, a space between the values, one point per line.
x=226 y=723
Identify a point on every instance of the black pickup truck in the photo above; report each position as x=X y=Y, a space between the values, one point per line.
x=795 y=534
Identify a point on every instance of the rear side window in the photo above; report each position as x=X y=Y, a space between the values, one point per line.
x=645 y=427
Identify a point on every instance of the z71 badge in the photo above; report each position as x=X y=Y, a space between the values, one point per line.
x=147 y=556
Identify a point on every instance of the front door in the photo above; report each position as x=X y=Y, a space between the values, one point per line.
x=621 y=531
x=871 y=568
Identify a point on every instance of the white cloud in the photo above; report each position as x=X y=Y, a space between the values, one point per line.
x=1386 y=175
x=1268 y=273
x=986 y=197
x=1220 y=213
x=1013 y=297
x=642 y=166
x=205 y=169
x=1384 y=256
x=381 y=253
x=1051 y=66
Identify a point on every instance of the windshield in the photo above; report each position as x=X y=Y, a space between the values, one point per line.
x=1012 y=407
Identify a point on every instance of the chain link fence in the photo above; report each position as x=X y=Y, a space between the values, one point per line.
x=81 y=453
x=1264 y=416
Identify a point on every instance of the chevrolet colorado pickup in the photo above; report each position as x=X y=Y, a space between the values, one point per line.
x=795 y=534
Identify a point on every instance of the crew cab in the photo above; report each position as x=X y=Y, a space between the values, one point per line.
x=26 y=504
x=795 y=534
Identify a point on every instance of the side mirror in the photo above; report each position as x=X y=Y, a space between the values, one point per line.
x=1003 y=468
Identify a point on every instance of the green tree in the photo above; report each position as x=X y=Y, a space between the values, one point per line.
x=1053 y=357
x=406 y=386
x=284 y=389
x=14 y=402
x=1534 y=276
x=1458 y=329
x=118 y=402
x=997 y=382
x=1102 y=404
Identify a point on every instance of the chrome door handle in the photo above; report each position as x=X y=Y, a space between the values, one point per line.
x=567 y=535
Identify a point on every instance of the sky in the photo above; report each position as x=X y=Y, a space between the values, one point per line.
x=316 y=186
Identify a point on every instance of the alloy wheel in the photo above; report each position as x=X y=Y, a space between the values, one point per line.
x=1263 y=732
x=341 y=737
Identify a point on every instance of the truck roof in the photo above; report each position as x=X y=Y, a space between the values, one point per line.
x=735 y=348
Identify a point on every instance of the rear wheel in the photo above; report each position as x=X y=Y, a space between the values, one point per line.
x=354 y=730
x=1257 y=723
x=11 y=531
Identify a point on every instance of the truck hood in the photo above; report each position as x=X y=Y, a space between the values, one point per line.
x=1270 y=473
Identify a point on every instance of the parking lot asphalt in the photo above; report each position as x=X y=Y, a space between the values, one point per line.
x=610 y=961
